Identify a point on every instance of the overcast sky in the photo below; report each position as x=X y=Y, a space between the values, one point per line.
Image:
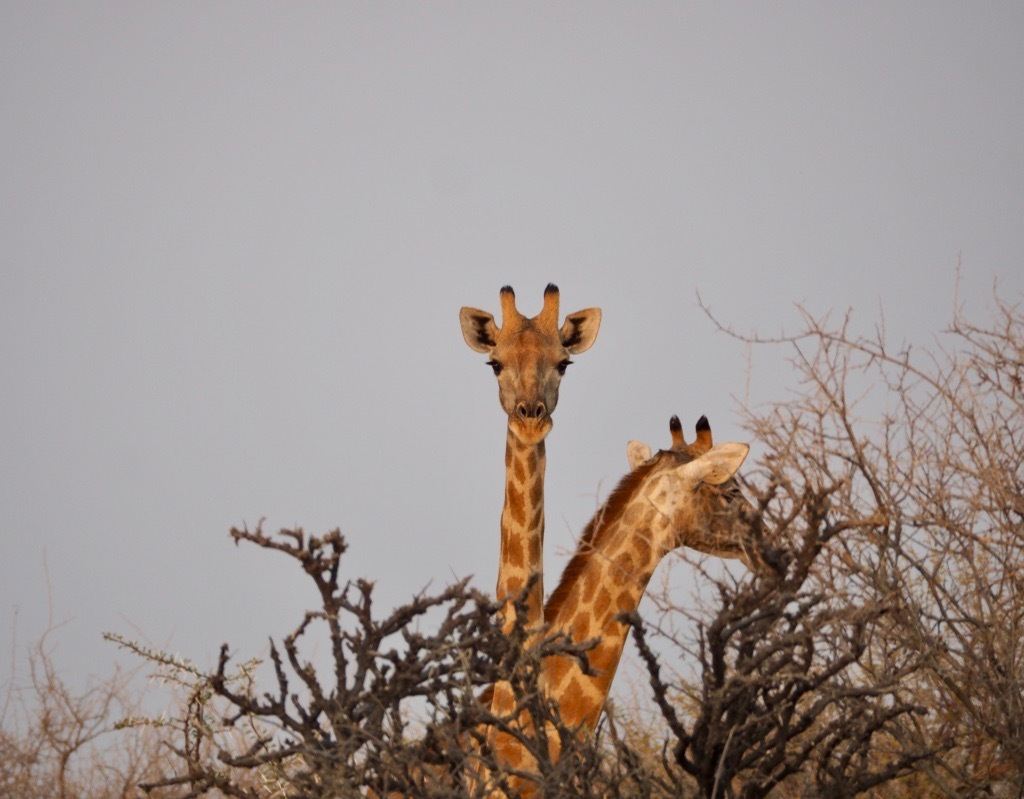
x=235 y=238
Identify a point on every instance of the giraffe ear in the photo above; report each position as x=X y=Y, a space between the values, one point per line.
x=478 y=329
x=637 y=452
x=579 y=330
x=718 y=464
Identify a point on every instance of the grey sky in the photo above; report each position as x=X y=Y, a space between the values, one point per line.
x=236 y=236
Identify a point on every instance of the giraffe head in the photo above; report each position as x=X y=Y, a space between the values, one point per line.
x=529 y=356
x=692 y=488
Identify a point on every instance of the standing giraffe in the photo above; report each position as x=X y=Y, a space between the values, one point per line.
x=682 y=496
x=529 y=357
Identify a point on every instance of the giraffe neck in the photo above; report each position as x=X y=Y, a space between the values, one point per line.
x=608 y=575
x=522 y=528
x=616 y=556
x=522 y=539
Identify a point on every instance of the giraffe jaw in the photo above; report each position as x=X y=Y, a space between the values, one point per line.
x=532 y=430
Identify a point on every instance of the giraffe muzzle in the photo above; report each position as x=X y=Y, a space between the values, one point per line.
x=530 y=422
x=530 y=410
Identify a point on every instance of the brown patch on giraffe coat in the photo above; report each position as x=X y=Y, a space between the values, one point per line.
x=613 y=628
x=604 y=599
x=642 y=550
x=537 y=492
x=518 y=470
x=624 y=563
x=591 y=718
x=508 y=457
x=514 y=585
x=581 y=626
x=502 y=701
x=605 y=656
x=534 y=545
x=573 y=703
x=556 y=667
x=509 y=750
x=534 y=606
x=514 y=552
x=515 y=505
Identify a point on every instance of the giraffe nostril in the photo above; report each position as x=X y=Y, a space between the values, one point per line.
x=539 y=410
x=521 y=410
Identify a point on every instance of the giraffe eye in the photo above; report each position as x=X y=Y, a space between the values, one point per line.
x=496 y=366
x=563 y=366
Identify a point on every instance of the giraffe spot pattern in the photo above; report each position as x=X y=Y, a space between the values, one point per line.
x=557 y=667
x=514 y=553
x=581 y=626
x=518 y=470
x=510 y=751
x=574 y=706
x=537 y=492
x=604 y=656
x=515 y=505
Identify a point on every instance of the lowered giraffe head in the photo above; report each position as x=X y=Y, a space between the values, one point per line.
x=692 y=486
x=529 y=356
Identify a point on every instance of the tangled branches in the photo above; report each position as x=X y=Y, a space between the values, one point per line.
x=396 y=712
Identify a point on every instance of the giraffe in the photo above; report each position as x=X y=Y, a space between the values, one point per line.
x=529 y=356
x=681 y=496
x=678 y=497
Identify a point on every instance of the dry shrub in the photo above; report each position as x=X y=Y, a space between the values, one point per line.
x=58 y=742
x=882 y=643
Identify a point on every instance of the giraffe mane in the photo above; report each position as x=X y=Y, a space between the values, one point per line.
x=602 y=521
